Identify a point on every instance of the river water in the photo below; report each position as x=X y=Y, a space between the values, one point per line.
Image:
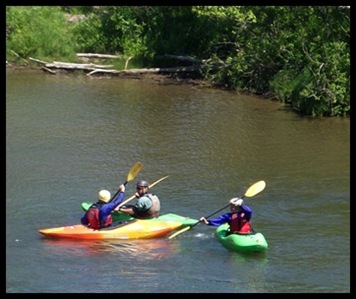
x=67 y=137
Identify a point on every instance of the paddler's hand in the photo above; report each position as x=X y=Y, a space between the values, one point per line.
x=122 y=188
x=203 y=219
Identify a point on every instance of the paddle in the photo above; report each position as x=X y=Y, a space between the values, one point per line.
x=252 y=191
x=130 y=176
x=133 y=196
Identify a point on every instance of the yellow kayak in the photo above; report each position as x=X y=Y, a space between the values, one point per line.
x=130 y=229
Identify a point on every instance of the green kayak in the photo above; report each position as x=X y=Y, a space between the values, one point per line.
x=254 y=242
x=119 y=216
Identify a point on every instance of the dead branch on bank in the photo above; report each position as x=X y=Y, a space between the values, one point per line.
x=105 y=69
x=95 y=55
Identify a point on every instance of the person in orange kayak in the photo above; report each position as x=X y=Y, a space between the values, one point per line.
x=147 y=206
x=99 y=213
x=238 y=218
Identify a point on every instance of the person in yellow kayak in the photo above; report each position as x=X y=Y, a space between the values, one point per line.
x=99 y=213
x=238 y=218
x=147 y=206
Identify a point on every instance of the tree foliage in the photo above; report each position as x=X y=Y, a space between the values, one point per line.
x=38 y=31
x=299 y=55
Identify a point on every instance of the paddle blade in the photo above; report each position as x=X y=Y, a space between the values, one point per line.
x=134 y=171
x=179 y=232
x=255 y=189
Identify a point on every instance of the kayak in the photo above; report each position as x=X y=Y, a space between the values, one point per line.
x=253 y=242
x=119 y=216
x=128 y=229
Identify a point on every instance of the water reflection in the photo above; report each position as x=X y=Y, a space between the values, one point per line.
x=153 y=249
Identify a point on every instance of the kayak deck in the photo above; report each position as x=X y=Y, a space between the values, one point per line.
x=254 y=242
x=119 y=216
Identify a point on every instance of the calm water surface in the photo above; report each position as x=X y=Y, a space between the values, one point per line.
x=67 y=137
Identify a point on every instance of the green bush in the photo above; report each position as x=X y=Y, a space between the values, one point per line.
x=40 y=32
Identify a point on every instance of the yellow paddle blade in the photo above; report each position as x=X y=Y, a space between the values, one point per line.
x=134 y=171
x=179 y=232
x=255 y=189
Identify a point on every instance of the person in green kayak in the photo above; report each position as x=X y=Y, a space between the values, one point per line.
x=238 y=218
x=147 y=206
x=99 y=213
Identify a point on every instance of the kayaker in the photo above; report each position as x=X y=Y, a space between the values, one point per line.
x=99 y=214
x=238 y=219
x=147 y=206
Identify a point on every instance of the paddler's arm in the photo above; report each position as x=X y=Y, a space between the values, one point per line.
x=126 y=210
x=120 y=196
x=216 y=221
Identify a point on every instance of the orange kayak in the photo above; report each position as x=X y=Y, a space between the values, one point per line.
x=132 y=229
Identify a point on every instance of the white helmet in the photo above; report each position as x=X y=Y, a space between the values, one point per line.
x=236 y=201
x=104 y=195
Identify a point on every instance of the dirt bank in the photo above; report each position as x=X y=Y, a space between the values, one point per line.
x=172 y=78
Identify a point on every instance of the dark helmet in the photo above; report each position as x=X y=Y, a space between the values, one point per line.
x=142 y=183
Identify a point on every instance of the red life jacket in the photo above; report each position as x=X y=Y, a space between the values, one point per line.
x=94 y=219
x=239 y=224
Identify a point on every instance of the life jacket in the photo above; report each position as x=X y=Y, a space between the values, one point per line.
x=153 y=211
x=239 y=224
x=94 y=219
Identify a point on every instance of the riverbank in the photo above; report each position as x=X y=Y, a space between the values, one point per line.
x=160 y=78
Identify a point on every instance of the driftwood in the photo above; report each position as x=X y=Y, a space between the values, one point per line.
x=189 y=69
x=57 y=64
x=113 y=72
x=94 y=55
x=105 y=69
x=70 y=66
x=48 y=70
x=37 y=60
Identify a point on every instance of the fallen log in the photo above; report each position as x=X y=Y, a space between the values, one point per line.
x=59 y=64
x=37 y=60
x=71 y=66
x=102 y=71
x=48 y=70
x=102 y=68
x=94 y=55
x=147 y=71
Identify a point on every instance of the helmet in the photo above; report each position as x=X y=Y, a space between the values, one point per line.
x=104 y=195
x=142 y=183
x=234 y=200
x=237 y=202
